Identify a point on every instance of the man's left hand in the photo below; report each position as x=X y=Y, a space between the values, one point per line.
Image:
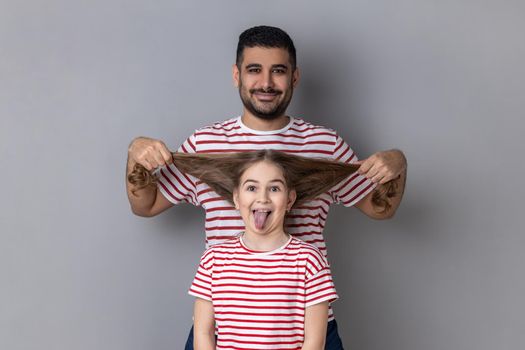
x=383 y=166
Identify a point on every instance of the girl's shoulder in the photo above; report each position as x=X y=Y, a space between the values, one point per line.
x=305 y=248
x=227 y=245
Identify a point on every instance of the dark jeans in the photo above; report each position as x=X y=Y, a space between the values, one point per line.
x=333 y=341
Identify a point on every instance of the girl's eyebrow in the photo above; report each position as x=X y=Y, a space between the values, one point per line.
x=277 y=180
x=274 y=180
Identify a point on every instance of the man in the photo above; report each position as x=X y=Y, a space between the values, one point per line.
x=266 y=74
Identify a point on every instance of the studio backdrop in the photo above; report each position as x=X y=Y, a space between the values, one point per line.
x=441 y=80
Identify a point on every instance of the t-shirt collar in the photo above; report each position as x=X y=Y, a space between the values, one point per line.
x=265 y=132
x=251 y=251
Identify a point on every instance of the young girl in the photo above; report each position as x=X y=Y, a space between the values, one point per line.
x=264 y=289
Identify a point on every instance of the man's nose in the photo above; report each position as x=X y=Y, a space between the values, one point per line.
x=267 y=80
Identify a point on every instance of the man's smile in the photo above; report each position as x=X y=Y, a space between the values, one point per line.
x=265 y=96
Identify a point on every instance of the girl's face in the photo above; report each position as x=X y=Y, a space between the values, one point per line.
x=263 y=198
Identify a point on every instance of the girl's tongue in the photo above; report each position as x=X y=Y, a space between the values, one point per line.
x=260 y=218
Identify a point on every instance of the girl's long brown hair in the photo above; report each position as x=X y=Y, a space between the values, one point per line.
x=310 y=177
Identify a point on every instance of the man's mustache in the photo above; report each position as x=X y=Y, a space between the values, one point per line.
x=266 y=91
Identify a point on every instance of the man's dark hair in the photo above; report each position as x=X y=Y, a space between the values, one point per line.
x=268 y=37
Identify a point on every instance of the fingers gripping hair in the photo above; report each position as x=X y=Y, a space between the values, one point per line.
x=216 y=170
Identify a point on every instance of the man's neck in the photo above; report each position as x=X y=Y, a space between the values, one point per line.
x=260 y=124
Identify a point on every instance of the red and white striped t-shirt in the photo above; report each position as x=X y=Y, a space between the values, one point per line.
x=298 y=137
x=259 y=298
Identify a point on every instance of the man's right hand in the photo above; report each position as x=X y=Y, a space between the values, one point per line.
x=148 y=152
x=151 y=154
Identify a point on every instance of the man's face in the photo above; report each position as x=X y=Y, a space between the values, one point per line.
x=265 y=81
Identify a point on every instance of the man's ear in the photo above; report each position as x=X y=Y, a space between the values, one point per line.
x=236 y=199
x=296 y=75
x=292 y=196
x=235 y=75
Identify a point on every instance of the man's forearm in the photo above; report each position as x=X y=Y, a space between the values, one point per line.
x=151 y=154
x=378 y=204
x=141 y=201
x=399 y=185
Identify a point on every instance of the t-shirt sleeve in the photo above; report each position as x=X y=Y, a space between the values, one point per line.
x=352 y=189
x=201 y=285
x=319 y=286
x=175 y=185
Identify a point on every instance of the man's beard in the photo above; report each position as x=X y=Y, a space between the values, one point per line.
x=268 y=114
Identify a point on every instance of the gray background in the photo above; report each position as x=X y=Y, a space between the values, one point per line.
x=442 y=80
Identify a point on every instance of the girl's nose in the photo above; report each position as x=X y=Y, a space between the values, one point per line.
x=263 y=197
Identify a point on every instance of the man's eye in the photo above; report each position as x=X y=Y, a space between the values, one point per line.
x=279 y=71
x=254 y=70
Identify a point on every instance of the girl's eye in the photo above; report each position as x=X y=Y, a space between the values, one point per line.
x=250 y=188
x=275 y=189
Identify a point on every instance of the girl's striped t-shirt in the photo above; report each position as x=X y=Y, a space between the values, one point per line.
x=259 y=298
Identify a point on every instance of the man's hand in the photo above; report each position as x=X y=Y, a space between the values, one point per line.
x=383 y=166
x=380 y=168
x=150 y=153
